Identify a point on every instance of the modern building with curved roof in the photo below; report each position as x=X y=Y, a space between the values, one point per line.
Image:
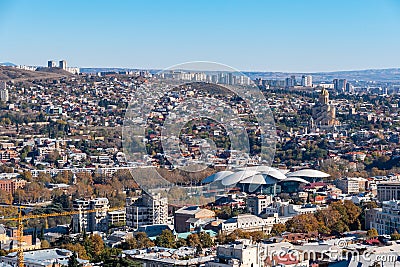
x=270 y=171
x=265 y=179
x=309 y=175
x=216 y=177
x=296 y=179
x=236 y=177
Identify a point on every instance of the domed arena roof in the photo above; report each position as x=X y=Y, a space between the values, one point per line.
x=262 y=175
x=274 y=173
x=255 y=179
x=296 y=179
x=237 y=177
x=308 y=173
x=216 y=177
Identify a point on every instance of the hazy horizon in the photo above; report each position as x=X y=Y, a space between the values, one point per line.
x=158 y=69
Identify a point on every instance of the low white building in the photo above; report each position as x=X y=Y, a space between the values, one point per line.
x=257 y=205
x=289 y=210
x=116 y=218
x=43 y=258
x=249 y=223
x=348 y=185
x=243 y=254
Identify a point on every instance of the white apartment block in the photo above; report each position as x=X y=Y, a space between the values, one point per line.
x=117 y=217
x=147 y=210
x=242 y=254
x=306 y=80
x=258 y=204
x=348 y=185
x=96 y=220
x=249 y=223
x=3 y=92
x=385 y=220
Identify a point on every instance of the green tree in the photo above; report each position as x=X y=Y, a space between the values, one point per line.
x=349 y=214
x=78 y=249
x=108 y=253
x=73 y=260
x=205 y=240
x=44 y=244
x=181 y=243
x=143 y=241
x=193 y=240
x=166 y=239
x=303 y=223
x=52 y=157
x=199 y=250
x=328 y=219
x=129 y=243
x=372 y=233
x=278 y=229
x=94 y=245
x=27 y=175
x=225 y=212
x=395 y=236
x=64 y=200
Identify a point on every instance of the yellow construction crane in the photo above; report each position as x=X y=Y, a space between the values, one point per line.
x=20 y=219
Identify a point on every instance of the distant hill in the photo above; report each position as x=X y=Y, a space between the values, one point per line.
x=54 y=70
x=11 y=73
x=384 y=75
x=96 y=70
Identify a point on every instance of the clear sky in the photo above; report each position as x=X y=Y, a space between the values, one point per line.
x=279 y=35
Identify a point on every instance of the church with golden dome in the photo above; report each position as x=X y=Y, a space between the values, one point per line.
x=324 y=113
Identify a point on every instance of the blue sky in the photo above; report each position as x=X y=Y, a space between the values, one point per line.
x=280 y=35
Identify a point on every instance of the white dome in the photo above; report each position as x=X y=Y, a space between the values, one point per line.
x=255 y=179
x=296 y=179
x=216 y=177
x=284 y=171
x=259 y=179
x=237 y=177
x=308 y=173
x=273 y=172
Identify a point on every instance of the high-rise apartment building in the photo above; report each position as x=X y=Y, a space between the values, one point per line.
x=290 y=82
x=51 y=64
x=340 y=84
x=3 y=92
x=147 y=210
x=306 y=80
x=3 y=85
x=91 y=221
x=63 y=64
x=385 y=220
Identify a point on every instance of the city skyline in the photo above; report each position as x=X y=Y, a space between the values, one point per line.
x=284 y=36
